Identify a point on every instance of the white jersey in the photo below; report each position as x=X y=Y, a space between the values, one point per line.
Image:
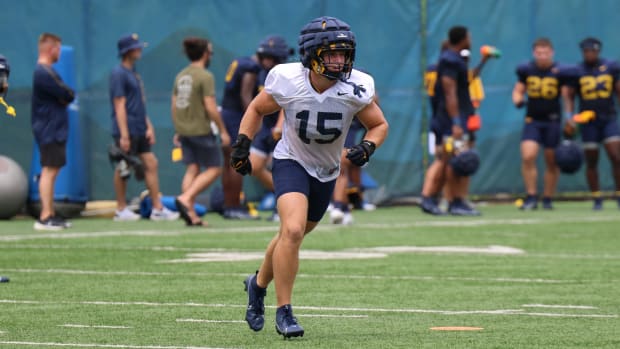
x=316 y=124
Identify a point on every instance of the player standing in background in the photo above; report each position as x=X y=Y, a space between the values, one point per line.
x=453 y=107
x=341 y=212
x=273 y=50
x=193 y=108
x=50 y=126
x=540 y=80
x=595 y=81
x=132 y=130
x=319 y=96
x=241 y=85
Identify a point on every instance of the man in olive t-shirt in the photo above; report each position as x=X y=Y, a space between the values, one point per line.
x=193 y=108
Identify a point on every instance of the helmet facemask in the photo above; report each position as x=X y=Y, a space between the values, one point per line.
x=322 y=67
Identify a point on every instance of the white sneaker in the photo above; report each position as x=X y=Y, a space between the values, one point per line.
x=366 y=206
x=163 y=215
x=347 y=219
x=336 y=216
x=125 y=215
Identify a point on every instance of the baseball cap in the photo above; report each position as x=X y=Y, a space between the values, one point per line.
x=590 y=43
x=129 y=42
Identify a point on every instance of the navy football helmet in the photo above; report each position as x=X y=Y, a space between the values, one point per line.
x=274 y=46
x=5 y=71
x=465 y=163
x=569 y=157
x=327 y=34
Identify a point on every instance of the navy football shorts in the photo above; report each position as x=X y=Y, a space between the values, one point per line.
x=545 y=133
x=290 y=177
x=263 y=143
x=232 y=120
x=442 y=128
x=599 y=131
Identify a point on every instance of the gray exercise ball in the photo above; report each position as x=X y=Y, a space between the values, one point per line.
x=13 y=188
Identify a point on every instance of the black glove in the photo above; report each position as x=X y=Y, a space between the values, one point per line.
x=239 y=158
x=360 y=154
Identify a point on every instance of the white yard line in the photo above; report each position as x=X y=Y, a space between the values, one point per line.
x=318 y=308
x=558 y=306
x=304 y=276
x=324 y=227
x=212 y=321
x=333 y=316
x=599 y=316
x=203 y=250
x=94 y=326
x=95 y=345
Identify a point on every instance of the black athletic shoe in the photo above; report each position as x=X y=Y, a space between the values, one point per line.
x=430 y=206
x=530 y=203
x=547 y=204
x=50 y=224
x=458 y=207
x=598 y=204
x=255 y=312
x=286 y=323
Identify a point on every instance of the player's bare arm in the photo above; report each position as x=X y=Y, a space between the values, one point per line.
x=210 y=105
x=518 y=94
x=452 y=104
x=121 y=120
x=374 y=121
x=248 y=85
x=262 y=104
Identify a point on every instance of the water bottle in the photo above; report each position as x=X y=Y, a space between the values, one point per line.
x=490 y=51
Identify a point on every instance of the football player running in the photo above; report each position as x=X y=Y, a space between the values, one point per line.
x=319 y=96
x=273 y=50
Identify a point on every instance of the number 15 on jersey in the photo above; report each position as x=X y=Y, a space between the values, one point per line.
x=328 y=127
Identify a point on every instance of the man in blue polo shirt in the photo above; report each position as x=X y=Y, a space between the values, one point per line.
x=132 y=130
x=50 y=125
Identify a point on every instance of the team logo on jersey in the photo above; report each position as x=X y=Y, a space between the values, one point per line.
x=555 y=70
x=602 y=68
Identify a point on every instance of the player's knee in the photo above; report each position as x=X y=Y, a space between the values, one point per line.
x=293 y=232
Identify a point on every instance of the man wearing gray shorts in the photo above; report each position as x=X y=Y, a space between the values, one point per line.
x=193 y=108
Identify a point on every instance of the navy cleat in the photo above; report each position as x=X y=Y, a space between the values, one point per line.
x=429 y=205
x=530 y=203
x=598 y=204
x=547 y=204
x=458 y=207
x=255 y=312
x=286 y=323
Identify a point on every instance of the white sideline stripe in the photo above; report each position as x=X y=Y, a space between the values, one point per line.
x=356 y=253
x=305 y=276
x=212 y=321
x=95 y=345
x=333 y=316
x=325 y=227
x=571 y=315
x=558 y=306
x=317 y=308
x=94 y=326
x=198 y=250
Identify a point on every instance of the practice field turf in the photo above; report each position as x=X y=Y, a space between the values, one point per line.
x=511 y=279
